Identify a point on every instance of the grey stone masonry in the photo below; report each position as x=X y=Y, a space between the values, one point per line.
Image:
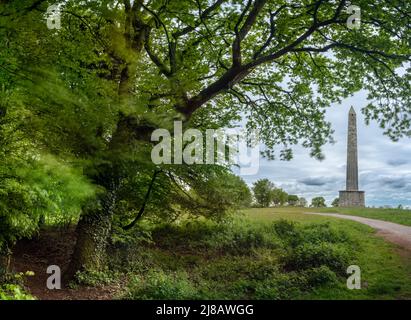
x=351 y=197
x=352 y=155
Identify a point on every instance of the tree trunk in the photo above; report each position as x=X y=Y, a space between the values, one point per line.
x=3 y=266
x=4 y=263
x=93 y=231
x=95 y=225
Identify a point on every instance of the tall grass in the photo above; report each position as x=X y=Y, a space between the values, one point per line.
x=241 y=259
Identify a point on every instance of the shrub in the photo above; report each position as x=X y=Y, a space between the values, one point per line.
x=310 y=255
x=238 y=259
x=234 y=268
x=189 y=234
x=293 y=234
x=137 y=236
x=95 y=278
x=283 y=286
x=14 y=292
x=313 y=246
x=11 y=286
x=235 y=236
x=321 y=276
x=158 y=285
x=287 y=231
x=242 y=238
x=323 y=232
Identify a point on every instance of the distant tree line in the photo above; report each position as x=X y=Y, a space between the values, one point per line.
x=267 y=194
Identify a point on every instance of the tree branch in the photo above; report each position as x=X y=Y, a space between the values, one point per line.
x=146 y=198
x=205 y=15
x=245 y=29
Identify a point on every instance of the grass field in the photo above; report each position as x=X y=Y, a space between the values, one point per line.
x=392 y=215
x=262 y=254
x=385 y=270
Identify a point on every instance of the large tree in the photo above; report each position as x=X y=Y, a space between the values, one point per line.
x=292 y=200
x=318 y=202
x=119 y=69
x=263 y=190
x=279 y=197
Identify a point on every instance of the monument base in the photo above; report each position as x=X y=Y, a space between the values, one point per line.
x=352 y=199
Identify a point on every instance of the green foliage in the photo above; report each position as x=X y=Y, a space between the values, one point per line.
x=314 y=246
x=318 y=202
x=132 y=238
x=158 y=285
x=214 y=192
x=235 y=189
x=240 y=259
x=13 y=292
x=239 y=238
x=284 y=286
x=292 y=200
x=34 y=186
x=279 y=196
x=310 y=255
x=321 y=276
x=94 y=278
x=234 y=236
x=42 y=190
x=11 y=286
x=287 y=232
x=263 y=192
x=336 y=202
x=319 y=232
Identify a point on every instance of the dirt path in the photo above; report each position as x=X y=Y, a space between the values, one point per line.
x=393 y=232
x=52 y=248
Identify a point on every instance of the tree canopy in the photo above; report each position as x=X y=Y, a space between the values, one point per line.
x=318 y=202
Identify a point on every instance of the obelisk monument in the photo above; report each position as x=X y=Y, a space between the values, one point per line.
x=351 y=197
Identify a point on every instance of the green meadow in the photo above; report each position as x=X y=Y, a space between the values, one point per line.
x=271 y=253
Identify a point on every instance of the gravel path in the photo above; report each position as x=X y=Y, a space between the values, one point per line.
x=393 y=232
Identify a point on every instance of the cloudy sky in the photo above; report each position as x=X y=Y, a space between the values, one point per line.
x=384 y=166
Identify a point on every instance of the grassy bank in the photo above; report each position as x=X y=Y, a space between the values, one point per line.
x=265 y=254
x=385 y=272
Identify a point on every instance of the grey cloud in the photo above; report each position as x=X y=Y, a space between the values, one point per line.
x=394 y=182
x=384 y=182
x=397 y=162
x=316 y=181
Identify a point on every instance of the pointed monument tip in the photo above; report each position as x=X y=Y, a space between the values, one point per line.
x=352 y=110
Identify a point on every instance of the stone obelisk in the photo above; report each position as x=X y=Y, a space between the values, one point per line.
x=351 y=197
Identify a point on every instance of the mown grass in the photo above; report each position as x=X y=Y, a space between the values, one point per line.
x=264 y=254
x=391 y=215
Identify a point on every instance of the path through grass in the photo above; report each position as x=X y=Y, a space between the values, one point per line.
x=386 y=269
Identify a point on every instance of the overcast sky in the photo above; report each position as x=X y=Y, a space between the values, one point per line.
x=384 y=166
